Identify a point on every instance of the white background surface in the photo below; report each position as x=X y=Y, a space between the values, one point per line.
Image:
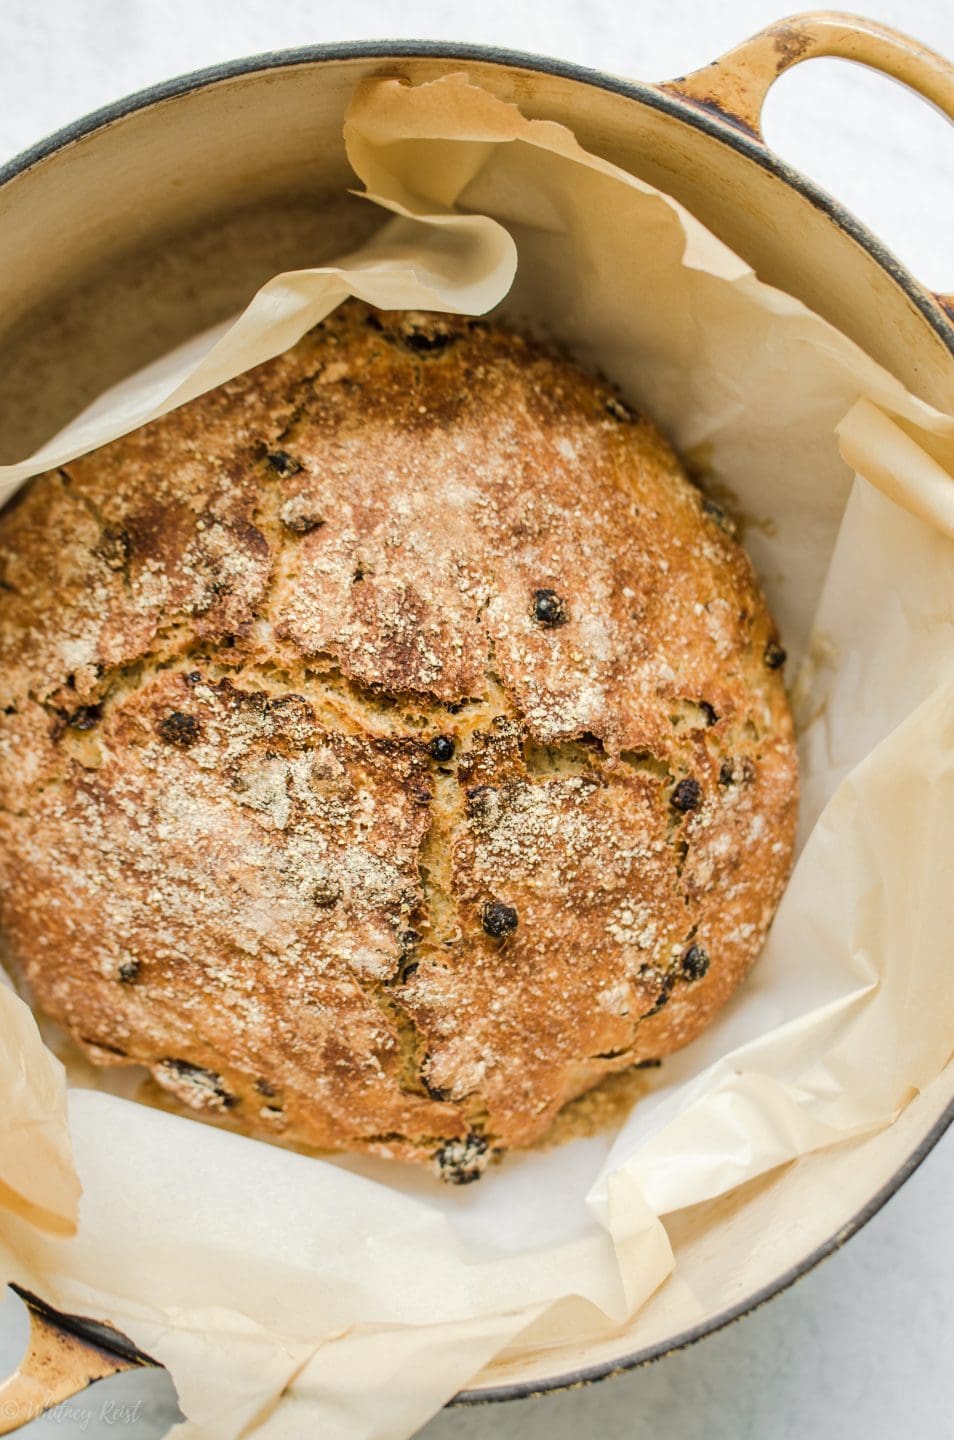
x=863 y=1347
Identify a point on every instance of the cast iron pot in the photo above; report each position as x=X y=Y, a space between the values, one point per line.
x=235 y=165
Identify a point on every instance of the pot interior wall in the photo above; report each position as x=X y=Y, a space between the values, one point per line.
x=106 y=245
x=140 y=302
x=771 y=1228
x=129 y=239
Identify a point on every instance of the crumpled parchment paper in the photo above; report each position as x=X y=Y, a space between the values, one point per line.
x=294 y=1296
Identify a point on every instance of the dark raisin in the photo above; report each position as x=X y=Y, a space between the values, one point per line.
x=424 y=343
x=297 y=705
x=549 y=609
x=460 y=1162
x=265 y=1087
x=408 y=940
x=739 y=772
x=300 y=524
x=427 y=335
x=205 y=1081
x=193 y=678
x=190 y=1071
x=709 y=711
x=282 y=462
x=179 y=729
x=620 y=410
x=775 y=656
x=695 y=962
x=441 y=747
x=687 y=795
x=129 y=971
x=85 y=718
x=498 y=919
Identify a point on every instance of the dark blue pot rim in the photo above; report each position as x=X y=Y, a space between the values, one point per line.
x=712 y=123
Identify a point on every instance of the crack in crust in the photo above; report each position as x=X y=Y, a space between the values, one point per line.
x=228 y=645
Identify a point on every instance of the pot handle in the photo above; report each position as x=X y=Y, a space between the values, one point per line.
x=65 y=1354
x=734 y=87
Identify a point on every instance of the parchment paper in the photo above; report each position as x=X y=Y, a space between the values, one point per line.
x=291 y=1296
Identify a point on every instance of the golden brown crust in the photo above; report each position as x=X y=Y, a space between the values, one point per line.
x=235 y=648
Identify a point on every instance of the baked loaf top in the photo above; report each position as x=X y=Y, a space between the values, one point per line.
x=393 y=743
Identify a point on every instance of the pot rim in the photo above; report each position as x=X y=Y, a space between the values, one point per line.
x=699 y=116
x=752 y=148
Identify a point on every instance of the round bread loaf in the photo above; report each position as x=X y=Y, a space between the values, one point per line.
x=393 y=744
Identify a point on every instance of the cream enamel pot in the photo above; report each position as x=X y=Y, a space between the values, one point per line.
x=235 y=164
